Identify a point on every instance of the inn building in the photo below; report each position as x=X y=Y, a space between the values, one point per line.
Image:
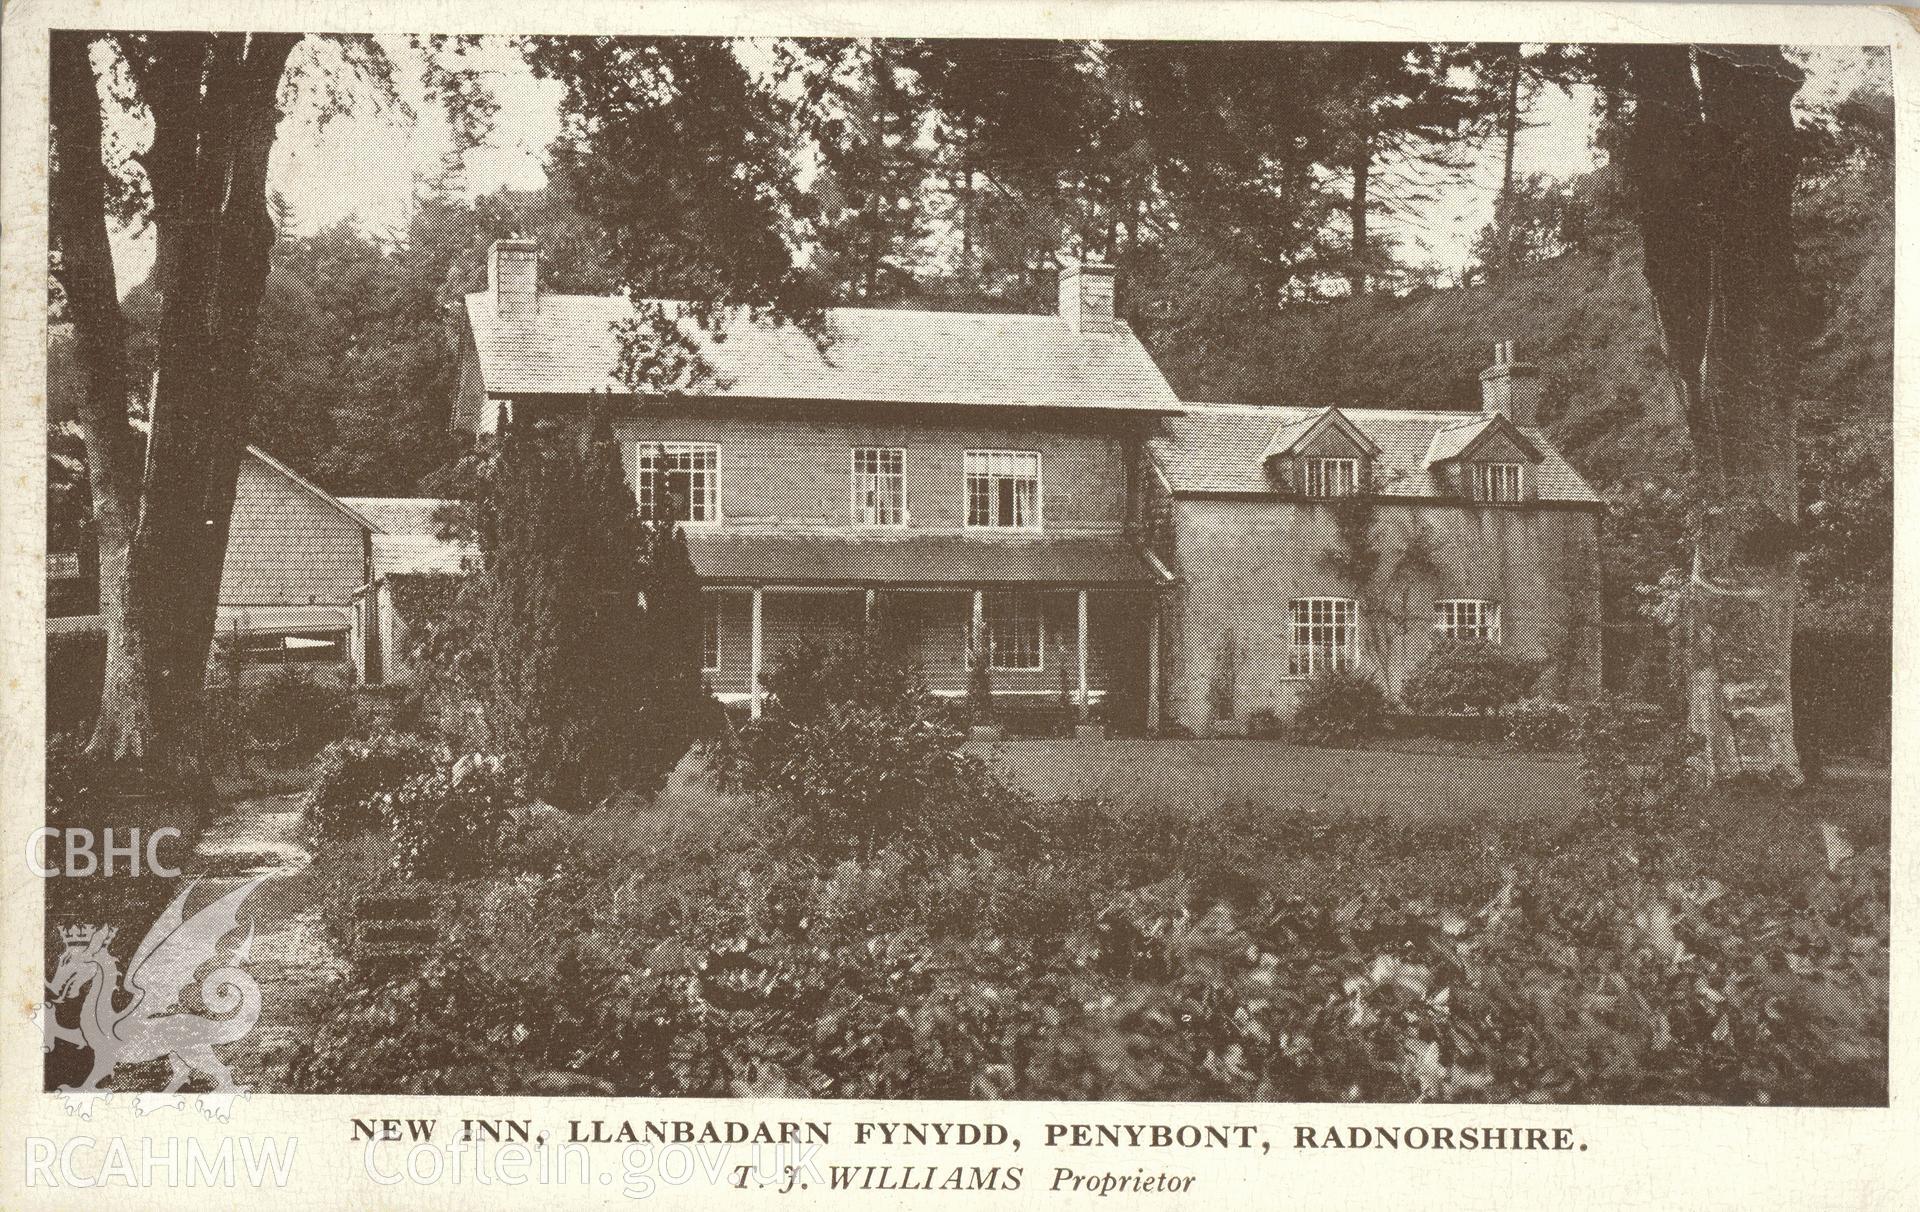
x=1029 y=490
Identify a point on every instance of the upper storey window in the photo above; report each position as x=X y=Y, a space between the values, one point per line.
x=677 y=480
x=1320 y=477
x=1003 y=489
x=1498 y=482
x=879 y=486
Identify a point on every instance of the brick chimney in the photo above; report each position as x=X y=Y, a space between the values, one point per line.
x=1511 y=388
x=513 y=277
x=1086 y=296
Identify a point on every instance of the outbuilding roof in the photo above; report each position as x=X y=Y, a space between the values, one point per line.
x=925 y=560
x=408 y=540
x=568 y=346
x=1220 y=448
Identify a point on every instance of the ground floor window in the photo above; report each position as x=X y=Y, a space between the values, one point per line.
x=1016 y=632
x=1467 y=619
x=292 y=647
x=1322 y=634
x=709 y=632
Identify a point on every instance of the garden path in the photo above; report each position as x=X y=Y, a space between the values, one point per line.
x=296 y=966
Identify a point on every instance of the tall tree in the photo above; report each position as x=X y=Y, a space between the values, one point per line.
x=1397 y=103
x=682 y=157
x=162 y=527
x=1710 y=154
x=863 y=112
x=163 y=500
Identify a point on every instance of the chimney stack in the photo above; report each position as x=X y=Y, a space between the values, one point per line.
x=513 y=277
x=1511 y=388
x=1086 y=296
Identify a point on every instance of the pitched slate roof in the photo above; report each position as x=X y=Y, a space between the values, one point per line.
x=930 y=357
x=1219 y=448
x=325 y=497
x=408 y=539
x=927 y=560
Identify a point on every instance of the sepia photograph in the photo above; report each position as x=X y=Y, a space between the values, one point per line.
x=644 y=566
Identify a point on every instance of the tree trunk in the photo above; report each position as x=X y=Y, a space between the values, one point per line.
x=213 y=104
x=1357 y=206
x=84 y=268
x=1512 y=126
x=1710 y=155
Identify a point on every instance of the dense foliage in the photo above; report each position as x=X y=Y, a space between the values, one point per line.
x=449 y=820
x=591 y=690
x=860 y=755
x=1477 y=676
x=349 y=778
x=292 y=714
x=1206 y=954
x=1634 y=761
x=1339 y=707
x=1538 y=725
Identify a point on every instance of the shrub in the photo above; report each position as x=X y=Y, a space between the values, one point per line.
x=453 y=819
x=589 y=691
x=292 y=714
x=349 y=777
x=1103 y=969
x=1459 y=676
x=1263 y=724
x=851 y=744
x=1635 y=762
x=812 y=676
x=1538 y=725
x=1339 y=707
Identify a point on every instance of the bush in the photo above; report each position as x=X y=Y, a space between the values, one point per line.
x=1635 y=763
x=293 y=715
x=1340 y=707
x=588 y=690
x=1538 y=725
x=452 y=820
x=1461 y=676
x=349 y=777
x=852 y=745
x=811 y=677
x=1098 y=966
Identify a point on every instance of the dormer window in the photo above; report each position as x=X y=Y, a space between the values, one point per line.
x=1322 y=477
x=1497 y=482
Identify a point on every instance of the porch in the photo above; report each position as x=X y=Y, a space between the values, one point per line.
x=1055 y=616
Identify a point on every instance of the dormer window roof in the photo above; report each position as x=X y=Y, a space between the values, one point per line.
x=1296 y=436
x=1459 y=441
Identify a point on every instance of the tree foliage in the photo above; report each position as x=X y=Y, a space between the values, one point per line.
x=583 y=685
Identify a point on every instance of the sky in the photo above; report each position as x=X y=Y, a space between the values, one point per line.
x=364 y=165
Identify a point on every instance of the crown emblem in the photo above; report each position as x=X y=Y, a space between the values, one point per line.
x=81 y=936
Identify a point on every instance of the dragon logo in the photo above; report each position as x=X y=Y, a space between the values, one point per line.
x=149 y=1021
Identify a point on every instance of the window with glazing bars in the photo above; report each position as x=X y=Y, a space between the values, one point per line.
x=1322 y=634
x=1003 y=488
x=1496 y=481
x=677 y=480
x=879 y=486
x=1330 y=477
x=1467 y=619
x=1016 y=632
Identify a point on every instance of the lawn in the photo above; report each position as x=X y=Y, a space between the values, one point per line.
x=1404 y=786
